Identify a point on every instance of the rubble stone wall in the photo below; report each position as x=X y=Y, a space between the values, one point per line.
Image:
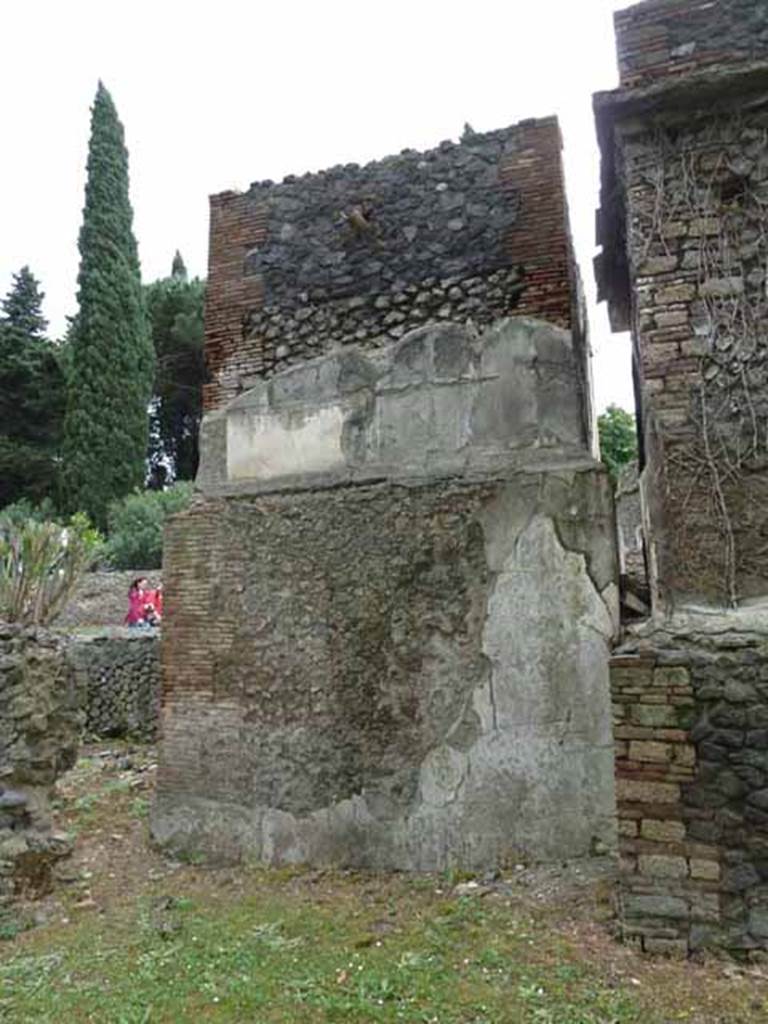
x=468 y=232
x=682 y=225
x=390 y=612
x=120 y=676
x=691 y=730
x=662 y=38
x=695 y=195
x=41 y=719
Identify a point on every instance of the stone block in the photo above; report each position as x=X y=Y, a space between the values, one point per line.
x=758 y=922
x=684 y=754
x=669 y=676
x=705 y=907
x=675 y=949
x=675 y=293
x=721 y=287
x=658 y=265
x=653 y=715
x=647 y=792
x=662 y=831
x=704 y=870
x=662 y=866
x=704 y=226
x=674 y=318
x=654 y=905
x=633 y=678
x=674 y=229
x=627 y=827
x=650 y=750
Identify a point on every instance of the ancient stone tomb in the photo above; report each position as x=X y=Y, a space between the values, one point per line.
x=391 y=606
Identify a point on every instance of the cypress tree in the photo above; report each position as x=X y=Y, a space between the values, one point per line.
x=111 y=366
x=175 y=308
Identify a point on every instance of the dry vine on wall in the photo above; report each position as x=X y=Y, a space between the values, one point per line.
x=698 y=199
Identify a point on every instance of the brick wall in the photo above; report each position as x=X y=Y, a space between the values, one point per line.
x=695 y=194
x=683 y=193
x=471 y=231
x=665 y=38
x=690 y=777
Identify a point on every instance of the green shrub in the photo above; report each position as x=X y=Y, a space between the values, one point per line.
x=136 y=526
x=40 y=565
x=618 y=439
x=23 y=510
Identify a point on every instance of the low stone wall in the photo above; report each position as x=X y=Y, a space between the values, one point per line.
x=120 y=675
x=40 y=727
x=691 y=714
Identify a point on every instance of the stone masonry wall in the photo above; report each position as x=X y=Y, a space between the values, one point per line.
x=690 y=713
x=466 y=232
x=662 y=38
x=367 y=676
x=40 y=722
x=390 y=611
x=695 y=192
x=119 y=671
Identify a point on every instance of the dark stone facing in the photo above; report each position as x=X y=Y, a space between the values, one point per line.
x=349 y=230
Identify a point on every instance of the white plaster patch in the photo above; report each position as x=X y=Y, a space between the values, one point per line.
x=262 y=446
x=547 y=760
x=547 y=636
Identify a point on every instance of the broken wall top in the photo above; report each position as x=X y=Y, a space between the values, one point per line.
x=469 y=231
x=664 y=38
x=677 y=59
x=443 y=402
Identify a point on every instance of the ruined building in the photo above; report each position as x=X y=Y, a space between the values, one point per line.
x=391 y=606
x=684 y=144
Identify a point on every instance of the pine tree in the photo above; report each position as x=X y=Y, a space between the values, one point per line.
x=31 y=396
x=175 y=307
x=112 y=359
x=23 y=306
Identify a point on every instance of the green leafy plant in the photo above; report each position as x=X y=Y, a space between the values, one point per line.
x=136 y=526
x=618 y=439
x=40 y=564
x=21 y=511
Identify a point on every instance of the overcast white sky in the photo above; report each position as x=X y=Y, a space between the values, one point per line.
x=216 y=95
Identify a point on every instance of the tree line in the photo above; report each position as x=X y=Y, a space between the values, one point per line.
x=115 y=405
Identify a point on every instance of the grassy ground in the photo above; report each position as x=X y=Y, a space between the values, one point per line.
x=128 y=938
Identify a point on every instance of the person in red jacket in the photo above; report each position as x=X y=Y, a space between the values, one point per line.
x=137 y=600
x=153 y=606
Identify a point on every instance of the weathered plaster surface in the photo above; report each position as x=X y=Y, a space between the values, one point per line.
x=426 y=686
x=390 y=614
x=443 y=400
